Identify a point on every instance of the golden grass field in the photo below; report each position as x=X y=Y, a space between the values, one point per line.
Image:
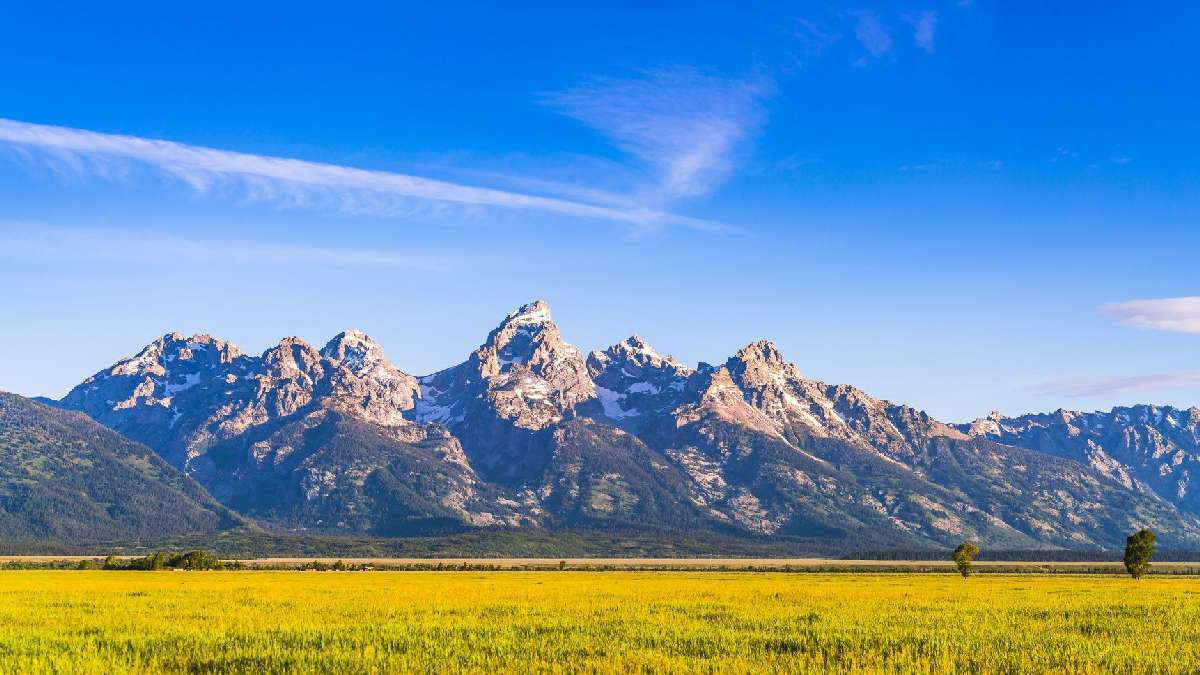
x=353 y=622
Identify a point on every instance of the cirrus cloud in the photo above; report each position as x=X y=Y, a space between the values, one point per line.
x=1180 y=314
x=291 y=182
x=37 y=243
x=871 y=34
x=685 y=126
x=1100 y=386
x=924 y=25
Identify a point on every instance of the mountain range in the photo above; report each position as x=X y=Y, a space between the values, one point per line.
x=531 y=432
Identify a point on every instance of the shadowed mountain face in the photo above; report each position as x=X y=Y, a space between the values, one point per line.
x=530 y=432
x=64 y=477
x=1150 y=449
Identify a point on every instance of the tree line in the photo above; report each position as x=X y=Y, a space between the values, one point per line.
x=192 y=560
x=1139 y=548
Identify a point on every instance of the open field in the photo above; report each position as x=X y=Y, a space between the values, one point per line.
x=581 y=621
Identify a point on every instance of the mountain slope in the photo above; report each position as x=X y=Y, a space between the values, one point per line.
x=1146 y=448
x=64 y=477
x=775 y=451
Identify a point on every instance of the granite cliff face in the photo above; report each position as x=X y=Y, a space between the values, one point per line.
x=530 y=432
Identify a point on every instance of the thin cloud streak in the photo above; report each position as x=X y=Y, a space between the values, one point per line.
x=1100 y=386
x=1180 y=315
x=289 y=182
x=685 y=126
x=40 y=244
x=924 y=26
x=871 y=34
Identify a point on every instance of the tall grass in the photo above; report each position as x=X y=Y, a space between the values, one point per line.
x=276 y=622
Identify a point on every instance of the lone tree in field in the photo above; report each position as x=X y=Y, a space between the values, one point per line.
x=963 y=555
x=1138 y=549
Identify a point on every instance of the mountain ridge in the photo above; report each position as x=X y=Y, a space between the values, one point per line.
x=529 y=430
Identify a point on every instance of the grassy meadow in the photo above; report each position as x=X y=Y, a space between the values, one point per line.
x=287 y=621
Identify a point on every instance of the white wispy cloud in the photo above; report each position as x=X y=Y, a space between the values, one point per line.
x=924 y=25
x=290 y=182
x=871 y=33
x=815 y=37
x=1180 y=315
x=50 y=244
x=1100 y=386
x=687 y=127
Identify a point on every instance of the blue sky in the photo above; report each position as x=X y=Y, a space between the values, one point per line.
x=964 y=206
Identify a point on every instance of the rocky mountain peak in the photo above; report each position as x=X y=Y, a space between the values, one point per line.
x=632 y=380
x=203 y=347
x=777 y=389
x=524 y=372
x=985 y=426
x=719 y=395
x=355 y=350
x=527 y=337
x=528 y=340
x=154 y=357
x=763 y=353
x=363 y=382
x=292 y=356
x=637 y=351
x=634 y=344
x=760 y=364
x=156 y=375
x=534 y=313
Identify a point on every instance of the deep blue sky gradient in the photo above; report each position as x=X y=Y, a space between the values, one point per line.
x=938 y=227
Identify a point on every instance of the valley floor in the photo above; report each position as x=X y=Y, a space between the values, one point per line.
x=286 y=621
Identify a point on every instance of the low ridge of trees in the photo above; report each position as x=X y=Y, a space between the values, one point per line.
x=192 y=560
x=1139 y=547
x=963 y=555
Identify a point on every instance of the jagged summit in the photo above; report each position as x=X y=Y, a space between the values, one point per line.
x=633 y=380
x=763 y=351
x=170 y=347
x=523 y=335
x=634 y=344
x=536 y=312
x=354 y=349
x=523 y=373
x=636 y=350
